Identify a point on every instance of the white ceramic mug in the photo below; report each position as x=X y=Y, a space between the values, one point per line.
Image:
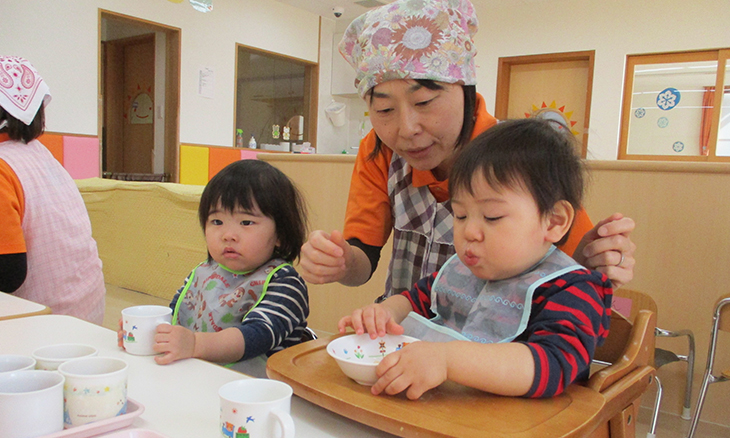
x=257 y=407
x=15 y=362
x=51 y=356
x=140 y=325
x=31 y=403
x=95 y=389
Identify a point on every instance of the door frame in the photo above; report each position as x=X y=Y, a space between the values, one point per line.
x=504 y=75
x=172 y=87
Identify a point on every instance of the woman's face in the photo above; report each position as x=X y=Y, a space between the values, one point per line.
x=419 y=124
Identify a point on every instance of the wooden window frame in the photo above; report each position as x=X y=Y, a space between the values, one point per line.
x=719 y=55
x=311 y=89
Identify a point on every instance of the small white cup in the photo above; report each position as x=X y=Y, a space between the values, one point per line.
x=95 y=389
x=51 y=356
x=31 y=403
x=258 y=407
x=15 y=362
x=140 y=324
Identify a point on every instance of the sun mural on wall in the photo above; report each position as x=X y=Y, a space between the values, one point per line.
x=552 y=112
x=139 y=109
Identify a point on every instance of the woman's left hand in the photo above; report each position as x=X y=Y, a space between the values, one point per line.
x=607 y=248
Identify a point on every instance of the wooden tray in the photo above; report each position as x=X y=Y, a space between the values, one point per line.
x=450 y=410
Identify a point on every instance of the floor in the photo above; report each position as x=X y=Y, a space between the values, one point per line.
x=669 y=426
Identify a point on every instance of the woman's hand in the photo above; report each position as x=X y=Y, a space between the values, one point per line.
x=324 y=257
x=175 y=342
x=374 y=319
x=607 y=248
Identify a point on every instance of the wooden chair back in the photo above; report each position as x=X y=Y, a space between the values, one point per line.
x=630 y=350
x=628 y=347
x=634 y=300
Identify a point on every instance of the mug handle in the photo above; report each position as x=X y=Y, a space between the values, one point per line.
x=286 y=423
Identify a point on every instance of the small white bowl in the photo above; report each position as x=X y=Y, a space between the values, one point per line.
x=358 y=355
x=15 y=362
x=51 y=356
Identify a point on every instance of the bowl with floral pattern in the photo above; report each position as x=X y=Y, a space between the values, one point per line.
x=358 y=355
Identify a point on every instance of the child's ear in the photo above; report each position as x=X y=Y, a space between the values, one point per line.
x=559 y=220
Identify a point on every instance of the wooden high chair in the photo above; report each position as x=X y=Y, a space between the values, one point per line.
x=629 y=349
x=720 y=321
x=631 y=302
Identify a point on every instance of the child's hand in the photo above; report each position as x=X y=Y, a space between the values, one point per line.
x=175 y=342
x=120 y=334
x=417 y=367
x=375 y=319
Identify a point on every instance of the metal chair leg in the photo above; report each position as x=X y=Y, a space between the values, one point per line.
x=708 y=377
x=657 y=405
x=690 y=359
x=706 y=380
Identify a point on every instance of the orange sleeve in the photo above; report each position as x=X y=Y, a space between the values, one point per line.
x=368 y=215
x=12 y=205
x=581 y=225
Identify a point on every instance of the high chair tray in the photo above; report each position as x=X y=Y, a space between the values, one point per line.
x=450 y=410
x=134 y=410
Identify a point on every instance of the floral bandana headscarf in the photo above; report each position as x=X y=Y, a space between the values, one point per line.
x=22 y=89
x=412 y=39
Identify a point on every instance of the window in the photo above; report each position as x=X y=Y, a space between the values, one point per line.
x=672 y=110
x=274 y=98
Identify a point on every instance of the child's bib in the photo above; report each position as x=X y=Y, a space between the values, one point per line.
x=215 y=298
x=469 y=308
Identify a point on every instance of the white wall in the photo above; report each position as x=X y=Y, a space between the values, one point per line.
x=60 y=38
x=63 y=45
x=612 y=28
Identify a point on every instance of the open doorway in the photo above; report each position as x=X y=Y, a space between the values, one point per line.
x=139 y=98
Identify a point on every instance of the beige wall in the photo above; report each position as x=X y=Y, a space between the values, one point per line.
x=682 y=213
x=682 y=235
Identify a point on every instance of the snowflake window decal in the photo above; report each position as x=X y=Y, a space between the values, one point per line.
x=668 y=98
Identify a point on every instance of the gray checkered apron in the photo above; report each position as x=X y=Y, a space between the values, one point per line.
x=423 y=230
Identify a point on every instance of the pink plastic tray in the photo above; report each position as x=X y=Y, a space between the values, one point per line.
x=134 y=410
x=135 y=433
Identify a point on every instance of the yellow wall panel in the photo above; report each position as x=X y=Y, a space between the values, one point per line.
x=193 y=165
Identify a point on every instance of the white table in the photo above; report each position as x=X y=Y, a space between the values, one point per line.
x=180 y=399
x=16 y=307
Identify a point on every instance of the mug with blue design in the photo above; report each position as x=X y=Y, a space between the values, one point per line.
x=140 y=326
x=253 y=408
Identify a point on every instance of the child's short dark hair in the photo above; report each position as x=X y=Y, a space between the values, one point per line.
x=538 y=154
x=244 y=182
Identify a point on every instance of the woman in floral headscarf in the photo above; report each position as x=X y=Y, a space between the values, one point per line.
x=47 y=254
x=414 y=63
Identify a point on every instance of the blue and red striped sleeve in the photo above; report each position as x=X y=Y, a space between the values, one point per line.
x=569 y=318
x=420 y=296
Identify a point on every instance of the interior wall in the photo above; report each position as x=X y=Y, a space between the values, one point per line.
x=64 y=49
x=613 y=29
x=682 y=234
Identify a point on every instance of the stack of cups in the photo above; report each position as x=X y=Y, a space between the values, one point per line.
x=70 y=386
